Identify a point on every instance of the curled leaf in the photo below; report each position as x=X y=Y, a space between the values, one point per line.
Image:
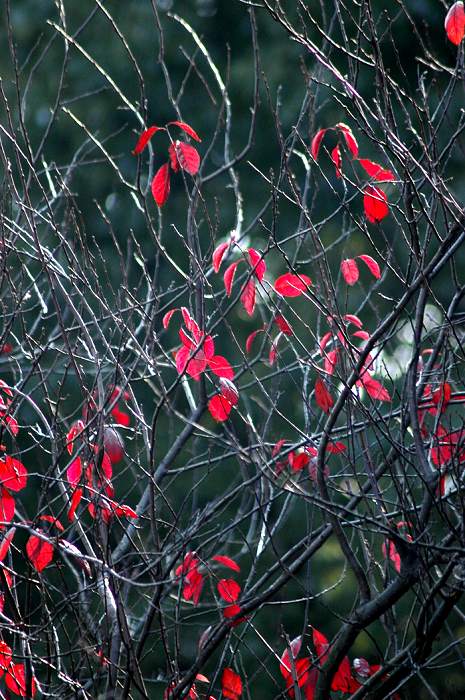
x=187 y=129
x=337 y=160
x=349 y=138
x=372 y=265
x=316 y=143
x=145 y=137
x=376 y=171
x=218 y=255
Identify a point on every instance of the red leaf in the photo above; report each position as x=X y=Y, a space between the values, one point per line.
x=335 y=448
x=54 y=521
x=248 y=297
x=5 y=656
x=297 y=462
x=331 y=361
x=188 y=129
x=113 y=442
x=393 y=554
x=231 y=611
x=349 y=271
x=257 y=263
x=442 y=395
x=188 y=157
x=40 y=553
x=376 y=171
x=218 y=255
x=173 y=156
x=12 y=424
x=5 y=545
x=325 y=340
x=322 y=396
x=7 y=507
x=350 y=140
x=285 y=661
x=228 y=276
x=75 y=501
x=74 y=471
x=221 y=367
x=229 y=391
x=361 y=334
x=229 y=590
x=290 y=285
x=219 y=407
x=283 y=325
x=75 y=430
x=454 y=23
x=167 y=318
x=161 y=185
x=226 y=561
x=316 y=143
x=13 y=474
x=145 y=137
x=120 y=417
x=375 y=389
x=231 y=684
x=375 y=204
x=15 y=680
x=371 y=264
x=321 y=645
x=250 y=338
x=337 y=160
x=353 y=319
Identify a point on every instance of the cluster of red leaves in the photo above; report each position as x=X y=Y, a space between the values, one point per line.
x=303 y=672
x=374 y=199
x=112 y=440
x=182 y=156
x=258 y=269
x=298 y=460
x=192 y=575
x=15 y=674
x=94 y=474
x=196 y=355
x=331 y=357
x=447 y=446
x=284 y=329
x=39 y=548
x=454 y=23
x=350 y=272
